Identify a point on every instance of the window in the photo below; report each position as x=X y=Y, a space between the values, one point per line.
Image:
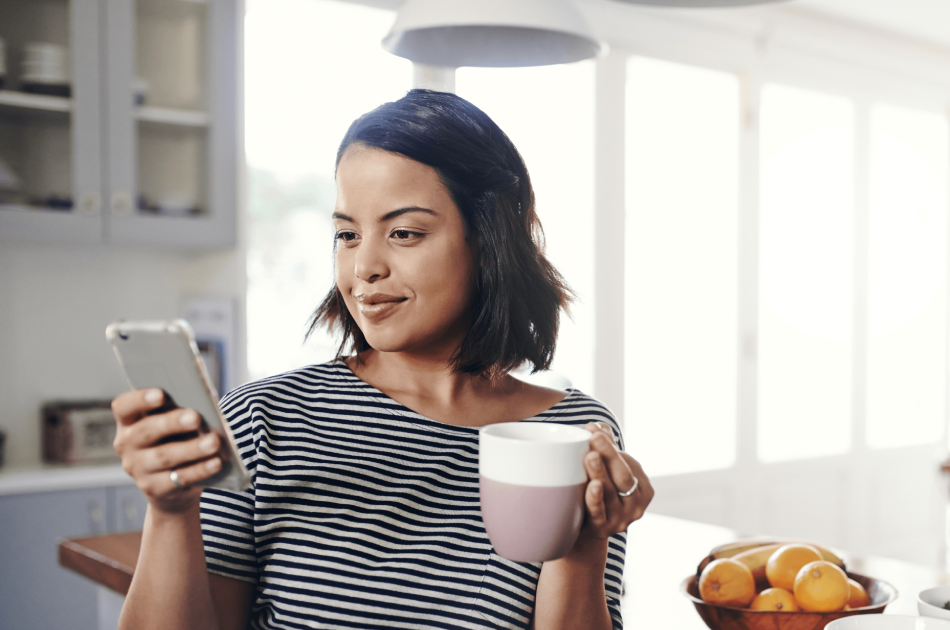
x=907 y=277
x=681 y=265
x=296 y=114
x=806 y=274
x=548 y=112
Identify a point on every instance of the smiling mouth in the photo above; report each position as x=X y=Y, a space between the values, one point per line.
x=377 y=305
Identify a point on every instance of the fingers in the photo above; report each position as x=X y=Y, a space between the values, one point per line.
x=193 y=460
x=175 y=455
x=620 y=473
x=596 y=510
x=598 y=472
x=155 y=439
x=151 y=430
x=645 y=491
x=610 y=470
x=130 y=407
x=602 y=427
x=194 y=473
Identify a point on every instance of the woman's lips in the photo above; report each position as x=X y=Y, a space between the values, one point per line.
x=378 y=305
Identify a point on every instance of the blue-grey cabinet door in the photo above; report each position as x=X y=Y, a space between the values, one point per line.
x=35 y=591
x=128 y=509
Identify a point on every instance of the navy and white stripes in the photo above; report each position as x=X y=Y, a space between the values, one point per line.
x=366 y=514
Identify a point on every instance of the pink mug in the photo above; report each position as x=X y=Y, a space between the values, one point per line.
x=531 y=483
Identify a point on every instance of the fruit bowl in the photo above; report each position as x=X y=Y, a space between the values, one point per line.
x=724 y=618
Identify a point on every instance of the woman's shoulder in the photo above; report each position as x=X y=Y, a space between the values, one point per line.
x=580 y=408
x=578 y=402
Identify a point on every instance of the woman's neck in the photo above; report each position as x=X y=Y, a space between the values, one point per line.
x=431 y=388
x=413 y=375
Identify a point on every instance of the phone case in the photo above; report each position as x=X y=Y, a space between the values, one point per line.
x=164 y=354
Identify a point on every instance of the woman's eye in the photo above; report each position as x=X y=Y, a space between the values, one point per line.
x=405 y=235
x=346 y=237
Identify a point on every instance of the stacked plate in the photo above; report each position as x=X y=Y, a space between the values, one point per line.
x=45 y=69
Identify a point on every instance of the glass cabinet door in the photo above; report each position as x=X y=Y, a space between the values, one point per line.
x=49 y=121
x=173 y=159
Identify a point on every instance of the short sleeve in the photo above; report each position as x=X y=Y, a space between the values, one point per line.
x=227 y=516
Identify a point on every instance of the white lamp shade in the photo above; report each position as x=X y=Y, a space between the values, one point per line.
x=698 y=4
x=491 y=33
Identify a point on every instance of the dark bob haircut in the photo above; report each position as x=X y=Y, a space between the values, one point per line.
x=518 y=293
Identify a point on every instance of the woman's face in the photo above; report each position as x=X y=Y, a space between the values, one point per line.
x=402 y=263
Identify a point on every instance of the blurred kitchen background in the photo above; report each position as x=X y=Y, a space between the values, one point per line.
x=750 y=202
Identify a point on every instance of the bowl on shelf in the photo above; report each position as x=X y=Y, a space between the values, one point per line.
x=934 y=602
x=889 y=622
x=725 y=618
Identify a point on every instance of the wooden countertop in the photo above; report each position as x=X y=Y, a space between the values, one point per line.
x=107 y=560
x=661 y=552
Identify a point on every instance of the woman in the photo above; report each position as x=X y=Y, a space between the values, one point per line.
x=365 y=507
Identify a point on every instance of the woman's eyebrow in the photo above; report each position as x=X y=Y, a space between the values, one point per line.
x=389 y=215
x=401 y=211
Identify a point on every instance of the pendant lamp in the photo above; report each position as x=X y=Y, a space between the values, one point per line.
x=491 y=33
x=698 y=4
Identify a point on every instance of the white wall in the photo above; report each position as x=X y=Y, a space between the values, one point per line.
x=55 y=303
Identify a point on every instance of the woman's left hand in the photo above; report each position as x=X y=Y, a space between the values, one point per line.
x=611 y=471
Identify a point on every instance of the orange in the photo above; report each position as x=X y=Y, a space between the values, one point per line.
x=785 y=563
x=727 y=582
x=821 y=587
x=774 y=599
x=859 y=596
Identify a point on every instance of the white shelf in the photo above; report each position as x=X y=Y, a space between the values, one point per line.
x=166 y=116
x=50 y=478
x=25 y=209
x=22 y=100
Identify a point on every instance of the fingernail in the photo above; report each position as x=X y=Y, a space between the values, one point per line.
x=595 y=461
x=153 y=396
x=213 y=464
x=188 y=419
x=207 y=443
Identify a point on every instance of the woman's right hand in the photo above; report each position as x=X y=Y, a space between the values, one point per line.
x=142 y=425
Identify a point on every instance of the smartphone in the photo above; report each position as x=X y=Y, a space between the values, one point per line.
x=164 y=355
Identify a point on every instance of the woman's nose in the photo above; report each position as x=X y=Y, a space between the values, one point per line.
x=371 y=261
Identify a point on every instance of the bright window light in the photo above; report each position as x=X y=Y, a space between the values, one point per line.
x=907 y=277
x=682 y=182
x=312 y=67
x=548 y=112
x=806 y=274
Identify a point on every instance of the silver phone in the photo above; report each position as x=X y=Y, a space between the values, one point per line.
x=164 y=355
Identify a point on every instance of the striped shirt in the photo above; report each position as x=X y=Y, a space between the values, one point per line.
x=365 y=514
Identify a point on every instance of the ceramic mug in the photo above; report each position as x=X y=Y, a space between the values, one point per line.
x=531 y=483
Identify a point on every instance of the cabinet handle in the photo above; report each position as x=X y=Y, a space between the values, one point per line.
x=121 y=202
x=90 y=202
x=131 y=509
x=96 y=516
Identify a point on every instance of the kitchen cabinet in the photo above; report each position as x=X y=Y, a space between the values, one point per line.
x=35 y=592
x=128 y=506
x=145 y=149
